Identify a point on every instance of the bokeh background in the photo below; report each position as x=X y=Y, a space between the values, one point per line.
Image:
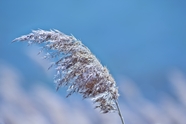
x=143 y=44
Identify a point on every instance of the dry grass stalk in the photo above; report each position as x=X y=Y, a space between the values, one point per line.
x=77 y=68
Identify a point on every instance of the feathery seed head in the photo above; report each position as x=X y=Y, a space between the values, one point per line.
x=77 y=68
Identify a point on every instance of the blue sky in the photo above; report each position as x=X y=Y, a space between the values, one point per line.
x=143 y=40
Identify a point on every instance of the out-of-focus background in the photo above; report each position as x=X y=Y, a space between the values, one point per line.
x=143 y=44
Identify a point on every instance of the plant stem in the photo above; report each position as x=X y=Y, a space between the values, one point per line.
x=119 y=112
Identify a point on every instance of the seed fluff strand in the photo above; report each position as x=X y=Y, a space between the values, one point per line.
x=77 y=68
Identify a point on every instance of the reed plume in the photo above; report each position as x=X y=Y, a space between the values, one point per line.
x=77 y=68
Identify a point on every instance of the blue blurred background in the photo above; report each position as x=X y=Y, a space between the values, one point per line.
x=141 y=42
